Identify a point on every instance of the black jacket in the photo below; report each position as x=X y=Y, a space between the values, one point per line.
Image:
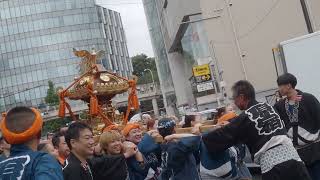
x=306 y=131
x=74 y=170
x=309 y=113
x=109 y=167
x=255 y=127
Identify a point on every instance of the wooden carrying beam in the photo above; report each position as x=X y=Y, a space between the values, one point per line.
x=204 y=128
x=159 y=139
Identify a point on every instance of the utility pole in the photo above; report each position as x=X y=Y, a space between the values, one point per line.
x=236 y=39
x=214 y=80
x=217 y=69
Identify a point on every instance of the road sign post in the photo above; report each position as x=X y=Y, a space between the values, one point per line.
x=204 y=79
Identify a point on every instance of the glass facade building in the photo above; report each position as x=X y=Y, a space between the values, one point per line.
x=36 y=41
x=159 y=49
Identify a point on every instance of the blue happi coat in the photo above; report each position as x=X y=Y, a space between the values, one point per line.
x=178 y=161
x=25 y=164
x=219 y=165
x=151 y=152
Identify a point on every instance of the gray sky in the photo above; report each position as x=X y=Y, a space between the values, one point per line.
x=134 y=21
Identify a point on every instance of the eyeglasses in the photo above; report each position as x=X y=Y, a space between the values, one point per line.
x=234 y=97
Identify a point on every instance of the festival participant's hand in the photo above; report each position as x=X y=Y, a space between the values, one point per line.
x=174 y=137
x=97 y=150
x=170 y=137
x=139 y=157
x=129 y=148
x=224 y=123
x=153 y=133
x=196 y=129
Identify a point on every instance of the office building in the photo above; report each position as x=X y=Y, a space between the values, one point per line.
x=36 y=42
x=239 y=40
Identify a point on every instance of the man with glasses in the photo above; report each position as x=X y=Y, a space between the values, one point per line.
x=262 y=130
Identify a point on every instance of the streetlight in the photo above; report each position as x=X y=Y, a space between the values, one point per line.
x=151 y=76
x=154 y=100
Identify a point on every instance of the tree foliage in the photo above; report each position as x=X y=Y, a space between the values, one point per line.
x=141 y=62
x=55 y=125
x=52 y=96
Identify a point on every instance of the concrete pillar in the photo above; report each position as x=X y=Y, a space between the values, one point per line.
x=180 y=77
x=155 y=107
x=169 y=109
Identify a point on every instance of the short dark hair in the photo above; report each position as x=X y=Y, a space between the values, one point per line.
x=220 y=112
x=287 y=78
x=19 y=119
x=188 y=119
x=56 y=139
x=244 y=88
x=166 y=126
x=73 y=132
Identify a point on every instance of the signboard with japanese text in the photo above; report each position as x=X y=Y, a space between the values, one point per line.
x=202 y=73
x=205 y=86
x=201 y=70
x=204 y=78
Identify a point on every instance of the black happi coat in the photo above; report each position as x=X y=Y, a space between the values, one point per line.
x=109 y=167
x=259 y=127
x=74 y=170
x=99 y=168
x=307 y=127
x=308 y=115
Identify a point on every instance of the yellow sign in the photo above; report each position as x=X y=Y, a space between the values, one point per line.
x=201 y=70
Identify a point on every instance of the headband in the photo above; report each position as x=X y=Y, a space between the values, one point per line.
x=129 y=127
x=19 y=138
x=227 y=117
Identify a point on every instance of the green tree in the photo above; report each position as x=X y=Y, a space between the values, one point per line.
x=54 y=125
x=141 y=62
x=52 y=96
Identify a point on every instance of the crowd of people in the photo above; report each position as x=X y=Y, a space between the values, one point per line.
x=282 y=139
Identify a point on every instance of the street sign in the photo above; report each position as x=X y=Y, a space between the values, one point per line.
x=201 y=70
x=204 y=78
x=205 y=86
x=202 y=73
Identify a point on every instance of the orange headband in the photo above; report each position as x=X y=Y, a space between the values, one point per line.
x=14 y=138
x=227 y=117
x=129 y=127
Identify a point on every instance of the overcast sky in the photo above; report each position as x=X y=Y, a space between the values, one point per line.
x=134 y=21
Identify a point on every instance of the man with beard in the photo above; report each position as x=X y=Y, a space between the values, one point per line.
x=59 y=143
